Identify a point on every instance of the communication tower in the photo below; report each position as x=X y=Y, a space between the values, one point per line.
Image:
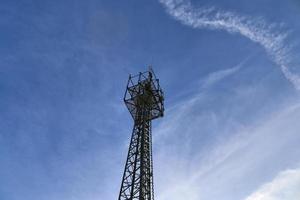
x=145 y=102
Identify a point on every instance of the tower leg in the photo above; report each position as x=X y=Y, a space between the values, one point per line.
x=137 y=182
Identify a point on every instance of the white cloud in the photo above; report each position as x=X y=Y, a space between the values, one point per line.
x=286 y=186
x=257 y=30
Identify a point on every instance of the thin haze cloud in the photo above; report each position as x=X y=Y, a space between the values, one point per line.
x=257 y=30
x=227 y=163
x=284 y=187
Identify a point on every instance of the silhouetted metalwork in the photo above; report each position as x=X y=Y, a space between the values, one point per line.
x=145 y=102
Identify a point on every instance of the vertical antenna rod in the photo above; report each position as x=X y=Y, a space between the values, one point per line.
x=145 y=102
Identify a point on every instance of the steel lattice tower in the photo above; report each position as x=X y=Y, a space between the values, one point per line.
x=145 y=102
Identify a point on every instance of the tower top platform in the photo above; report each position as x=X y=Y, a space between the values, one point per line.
x=143 y=94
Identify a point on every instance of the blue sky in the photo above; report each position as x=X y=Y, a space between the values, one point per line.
x=229 y=71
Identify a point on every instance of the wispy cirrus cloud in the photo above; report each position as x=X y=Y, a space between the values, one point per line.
x=234 y=165
x=255 y=29
x=219 y=75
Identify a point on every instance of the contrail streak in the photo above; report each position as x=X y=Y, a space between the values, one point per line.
x=257 y=30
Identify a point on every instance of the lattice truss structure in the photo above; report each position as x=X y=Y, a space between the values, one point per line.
x=145 y=102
